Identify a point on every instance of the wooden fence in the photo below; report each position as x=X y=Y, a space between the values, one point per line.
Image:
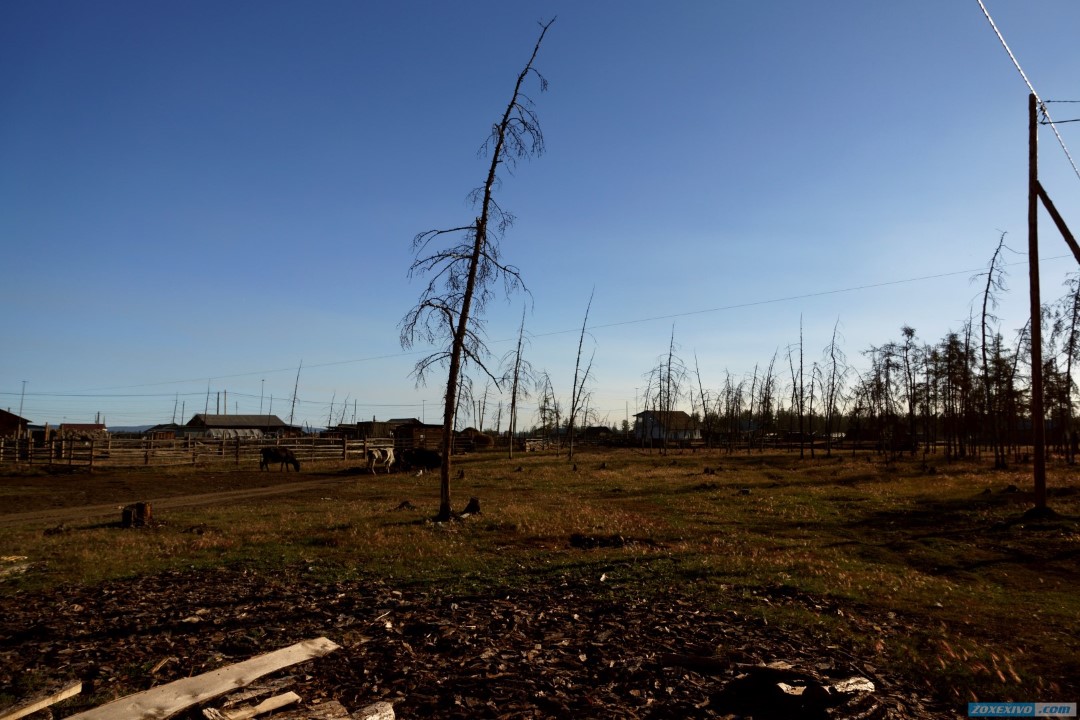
x=115 y=453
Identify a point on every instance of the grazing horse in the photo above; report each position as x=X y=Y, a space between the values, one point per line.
x=380 y=456
x=281 y=455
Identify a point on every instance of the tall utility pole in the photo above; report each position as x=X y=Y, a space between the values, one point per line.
x=1037 y=192
x=21 y=397
x=1038 y=435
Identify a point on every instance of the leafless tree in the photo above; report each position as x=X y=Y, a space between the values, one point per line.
x=995 y=283
x=521 y=371
x=767 y=390
x=549 y=408
x=577 y=389
x=750 y=424
x=668 y=377
x=833 y=383
x=706 y=416
x=798 y=397
x=462 y=276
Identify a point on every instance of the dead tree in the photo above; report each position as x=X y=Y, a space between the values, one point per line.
x=522 y=370
x=832 y=387
x=462 y=276
x=577 y=390
x=994 y=284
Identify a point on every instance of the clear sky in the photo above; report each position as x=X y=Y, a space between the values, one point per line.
x=199 y=196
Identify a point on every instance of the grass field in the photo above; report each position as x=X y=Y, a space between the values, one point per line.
x=928 y=567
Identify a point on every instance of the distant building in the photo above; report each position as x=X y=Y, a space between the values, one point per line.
x=598 y=434
x=666 y=425
x=11 y=425
x=413 y=433
x=235 y=426
x=362 y=430
x=165 y=431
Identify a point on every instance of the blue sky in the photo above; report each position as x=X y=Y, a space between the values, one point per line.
x=204 y=194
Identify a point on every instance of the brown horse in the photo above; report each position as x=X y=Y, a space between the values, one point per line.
x=281 y=455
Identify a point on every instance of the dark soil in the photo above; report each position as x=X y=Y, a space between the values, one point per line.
x=563 y=647
x=572 y=645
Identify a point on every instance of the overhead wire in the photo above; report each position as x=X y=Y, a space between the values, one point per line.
x=1040 y=102
x=620 y=323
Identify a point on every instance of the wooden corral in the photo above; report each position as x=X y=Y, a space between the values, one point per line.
x=111 y=452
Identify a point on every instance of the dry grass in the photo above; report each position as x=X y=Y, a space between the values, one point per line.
x=915 y=565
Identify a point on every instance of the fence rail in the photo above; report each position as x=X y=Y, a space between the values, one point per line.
x=119 y=453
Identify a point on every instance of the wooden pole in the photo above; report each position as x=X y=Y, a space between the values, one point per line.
x=1037 y=424
x=1060 y=222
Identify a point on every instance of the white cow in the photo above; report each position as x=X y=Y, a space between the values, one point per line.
x=380 y=456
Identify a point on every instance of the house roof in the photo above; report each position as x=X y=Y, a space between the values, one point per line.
x=11 y=417
x=236 y=421
x=668 y=418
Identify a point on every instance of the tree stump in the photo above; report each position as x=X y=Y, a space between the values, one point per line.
x=136 y=515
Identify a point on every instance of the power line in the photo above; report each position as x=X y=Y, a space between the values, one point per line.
x=788 y=298
x=633 y=321
x=1042 y=105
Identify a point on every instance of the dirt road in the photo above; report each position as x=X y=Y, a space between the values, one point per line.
x=53 y=500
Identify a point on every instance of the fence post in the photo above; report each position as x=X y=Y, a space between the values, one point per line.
x=238 y=450
x=92 y=452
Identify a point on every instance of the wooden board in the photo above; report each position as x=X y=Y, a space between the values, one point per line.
x=329 y=710
x=333 y=710
x=272 y=703
x=165 y=701
x=40 y=703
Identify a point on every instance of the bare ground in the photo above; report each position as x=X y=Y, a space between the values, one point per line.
x=572 y=644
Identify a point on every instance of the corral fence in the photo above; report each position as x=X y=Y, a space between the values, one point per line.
x=118 y=453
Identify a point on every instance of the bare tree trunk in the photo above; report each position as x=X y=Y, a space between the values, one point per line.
x=577 y=389
x=989 y=300
x=472 y=265
x=705 y=417
x=750 y=424
x=516 y=384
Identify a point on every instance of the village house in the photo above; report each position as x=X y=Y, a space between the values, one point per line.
x=412 y=433
x=668 y=425
x=11 y=425
x=235 y=426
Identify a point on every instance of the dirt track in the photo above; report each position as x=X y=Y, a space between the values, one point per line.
x=164 y=496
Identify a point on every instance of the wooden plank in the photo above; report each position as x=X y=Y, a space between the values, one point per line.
x=329 y=710
x=167 y=700
x=377 y=711
x=267 y=687
x=32 y=706
x=272 y=703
